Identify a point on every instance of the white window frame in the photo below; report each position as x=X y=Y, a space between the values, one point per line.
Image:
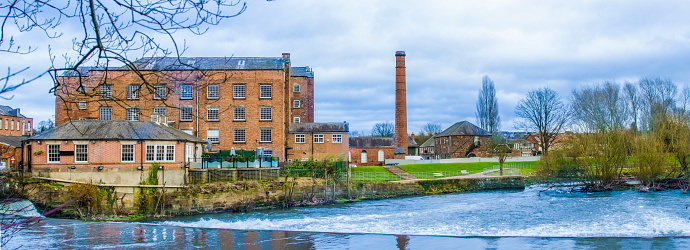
x=160 y=92
x=240 y=132
x=318 y=138
x=213 y=135
x=296 y=88
x=188 y=131
x=239 y=114
x=124 y=153
x=381 y=156
x=160 y=153
x=133 y=92
x=337 y=138
x=296 y=119
x=363 y=156
x=78 y=151
x=186 y=116
x=187 y=94
x=82 y=105
x=265 y=113
x=106 y=92
x=213 y=92
x=12 y=125
x=53 y=153
x=213 y=114
x=160 y=110
x=239 y=91
x=133 y=114
x=296 y=104
x=300 y=138
x=265 y=133
x=265 y=91
x=103 y=113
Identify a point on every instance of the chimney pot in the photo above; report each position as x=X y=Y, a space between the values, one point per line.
x=286 y=55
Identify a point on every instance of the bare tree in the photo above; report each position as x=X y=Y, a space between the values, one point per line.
x=543 y=111
x=487 y=107
x=657 y=98
x=431 y=128
x=383 y=129
x=498 y=146
x=632 y=99
x=600 y=107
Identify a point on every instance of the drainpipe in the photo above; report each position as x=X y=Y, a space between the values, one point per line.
x=197 y=107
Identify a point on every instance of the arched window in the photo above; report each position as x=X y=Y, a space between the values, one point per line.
x=381 y=157
x=364 y=156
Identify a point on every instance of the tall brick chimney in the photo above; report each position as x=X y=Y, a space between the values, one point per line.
x=400 y=101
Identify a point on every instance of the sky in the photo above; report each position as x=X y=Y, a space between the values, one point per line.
x=450 y=46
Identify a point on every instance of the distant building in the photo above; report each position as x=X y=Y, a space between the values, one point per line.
x=318 y=139
x=11 y=147
x=462 y=140
x=87 y=146
x=372 y=150
x=235 y=102
x=13 y=123
x=426 y=150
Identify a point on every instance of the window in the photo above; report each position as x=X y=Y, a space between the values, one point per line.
x=6 y=123
x=265 y=91
x=132 y=114
x=127 y=153
x=299 y=138
x=54 y=153
x=18 y=127
x=159 y=92
x=185 y=114
x=239 y=114
x=28 y=127
x=265 y=114
x=188 y=131
x=381 y=155
x=265 y=135
x=213 y=136
x=160 y=152
x=295 y=120
x=337 y=138
x=296 y=104
x=82 y=105
x=238 y=91
x=81 y=153
x=364 y=156
x=133 y=92
x=240 y=134
x=318 y=138
x=160 y=111
x=296 y=88
x=213 y=92
x=106 y=113
x=106 y=92
x=186 y=92
x=212 y=114
x=12 y=125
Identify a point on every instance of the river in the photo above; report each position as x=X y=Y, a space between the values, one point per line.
x=489 y=219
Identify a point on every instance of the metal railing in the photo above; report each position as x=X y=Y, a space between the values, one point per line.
x=233 y=162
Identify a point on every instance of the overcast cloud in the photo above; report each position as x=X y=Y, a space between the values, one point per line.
x=450 y=46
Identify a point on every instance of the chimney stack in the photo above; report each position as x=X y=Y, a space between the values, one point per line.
x=400 y=101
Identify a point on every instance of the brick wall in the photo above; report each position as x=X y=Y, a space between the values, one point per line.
x=10 y=127
x=372 y=155
x=319 y=150
x=459 y=146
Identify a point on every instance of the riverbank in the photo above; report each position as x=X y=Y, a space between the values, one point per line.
x=103 y=203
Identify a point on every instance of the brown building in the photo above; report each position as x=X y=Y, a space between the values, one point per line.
x=13 y=123
x=11 y=147
x=318 y=139
x=426 y=150
x=238 y=102
x=461 y=140
x=84 y=146
x=372 y=150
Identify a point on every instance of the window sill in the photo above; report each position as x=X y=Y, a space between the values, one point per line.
x=186 y=98
x=265 y=98
x=265 y=142
x=296 y=107
x=212 y=98
x=186 y=120
x=239 y=98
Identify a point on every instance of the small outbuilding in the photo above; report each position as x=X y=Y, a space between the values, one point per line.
x=461 y=140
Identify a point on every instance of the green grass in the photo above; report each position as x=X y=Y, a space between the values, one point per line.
x=423 y=170
x=372 y=174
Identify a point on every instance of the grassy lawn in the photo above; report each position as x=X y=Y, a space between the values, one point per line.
x=452 y=169
x=372 y=174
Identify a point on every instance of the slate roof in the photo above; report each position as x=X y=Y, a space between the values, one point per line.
x=301 y=71
x=399 y=150
x=114 y=130
x=463 y=128
x=12 y=141
x=371 y=141
x=207 y=63
x=83 y=70
x=319 y=127
x=411 y=143
x=9 y=111
x=428 y=143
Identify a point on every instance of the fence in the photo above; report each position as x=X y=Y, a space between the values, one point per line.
x=198 y=176
x=233 y=162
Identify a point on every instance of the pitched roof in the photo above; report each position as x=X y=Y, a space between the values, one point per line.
x=429 y=143
x=207 y=63
x=371 y=141
x=463 y=128
x=301 y=71
x=114 y=130
x=319 y=127
x=9 y=111
x=12 y=141
x=410 y=142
